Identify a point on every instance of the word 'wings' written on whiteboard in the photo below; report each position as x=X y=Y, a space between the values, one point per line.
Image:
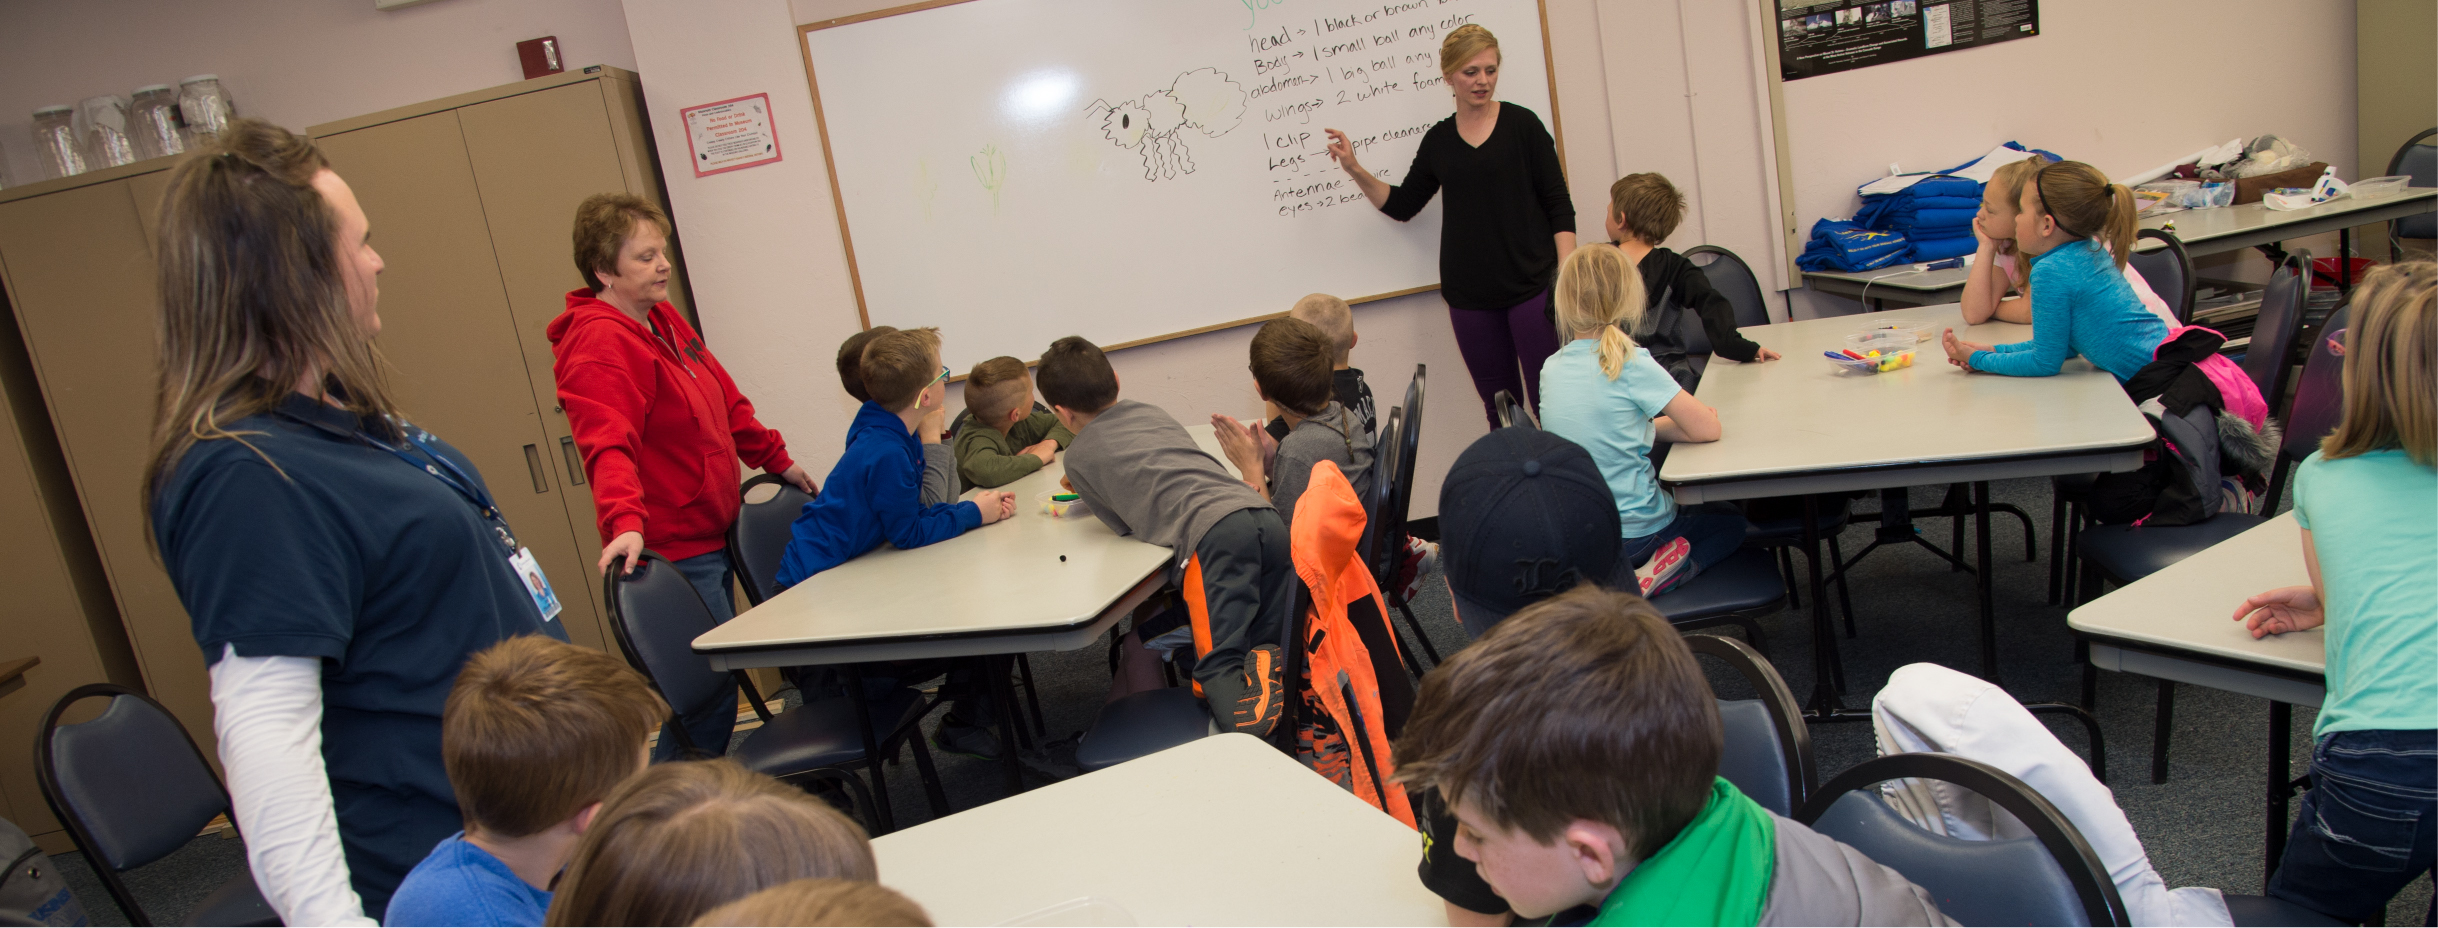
x=1133 y=170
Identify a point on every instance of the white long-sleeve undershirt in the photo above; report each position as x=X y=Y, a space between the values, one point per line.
x=268 y=714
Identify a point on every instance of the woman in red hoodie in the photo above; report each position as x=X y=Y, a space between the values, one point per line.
x=659 y=422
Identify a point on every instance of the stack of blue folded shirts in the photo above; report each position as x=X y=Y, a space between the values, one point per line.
x=1838 y=245
x=1934 y=216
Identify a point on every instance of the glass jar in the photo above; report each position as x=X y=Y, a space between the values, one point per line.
x=55 y=138
x=156 y=127
x=205 y=105
x=101 y=124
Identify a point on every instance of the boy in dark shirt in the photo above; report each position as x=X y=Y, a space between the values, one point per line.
x=1143 y=475
x=1336 y=320
x=1643 y=210
x=1290 y=363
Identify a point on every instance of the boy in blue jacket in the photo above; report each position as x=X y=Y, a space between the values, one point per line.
x=874 y=495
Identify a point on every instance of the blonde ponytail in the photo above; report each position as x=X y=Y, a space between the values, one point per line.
x=1599 y=289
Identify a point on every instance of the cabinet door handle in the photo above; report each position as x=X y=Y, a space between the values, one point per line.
x=575 y=460
x=533 y=462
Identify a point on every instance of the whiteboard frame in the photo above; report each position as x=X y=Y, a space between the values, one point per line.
x=829 y=163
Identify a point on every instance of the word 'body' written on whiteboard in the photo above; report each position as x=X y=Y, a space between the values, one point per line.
x=1018 y=170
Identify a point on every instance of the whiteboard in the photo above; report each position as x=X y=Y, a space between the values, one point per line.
x=1014 y=171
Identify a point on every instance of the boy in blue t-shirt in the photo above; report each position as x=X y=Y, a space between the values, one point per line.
x=535 y=734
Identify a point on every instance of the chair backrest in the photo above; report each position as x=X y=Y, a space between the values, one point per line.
x=1508 y=414
x=1733 y=279
x=2419 y=160
x=1391 y=517
x=1768 y=750
x=2319 y=394
x=1383 y=553
x=130 y=784
x=2281 y=312
x=757 y=540
x=656 y=614
x=2168 y=270
x=2051 y=878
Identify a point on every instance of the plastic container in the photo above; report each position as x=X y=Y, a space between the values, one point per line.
x=1054 y=507
x=1880 y=351
x=1920 y=331
x=2372 y=188
x=101 y=125
x=153 y=120
x=205 y=105
x=55 y=138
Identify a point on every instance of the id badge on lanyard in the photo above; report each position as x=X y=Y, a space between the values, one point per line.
x=528 y=569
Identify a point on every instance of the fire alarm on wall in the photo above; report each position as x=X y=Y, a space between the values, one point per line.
x=539 y=56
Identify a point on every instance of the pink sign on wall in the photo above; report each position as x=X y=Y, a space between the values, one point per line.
x=730 y=135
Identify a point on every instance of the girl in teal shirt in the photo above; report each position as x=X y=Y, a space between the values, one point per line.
x=2367 y=502
x=2081 y=304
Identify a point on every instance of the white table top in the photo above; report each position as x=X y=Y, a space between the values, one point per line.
x=1004 y=578
x=1802 y=416
x=2188 y=606
x=1899 y=276
x=1221 y=831
x=2226 y=228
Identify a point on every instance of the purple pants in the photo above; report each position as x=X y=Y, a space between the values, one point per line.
x=1504 y=349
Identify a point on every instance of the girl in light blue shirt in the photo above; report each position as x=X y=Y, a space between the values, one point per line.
x=2075 y=228
x=2367 y=502
x=1602 y=391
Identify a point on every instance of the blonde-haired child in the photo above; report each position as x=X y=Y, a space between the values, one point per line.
x=2367 y=502
x=1999 y=286
x=1602 y=391
x=2077 y=229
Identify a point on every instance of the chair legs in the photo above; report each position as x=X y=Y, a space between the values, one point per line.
x=856 y=793
x=2090 y=727
x=2057 y=548
x=1032 y=695
x=1845 y=596
x=1414 y=627
x=1786 y=569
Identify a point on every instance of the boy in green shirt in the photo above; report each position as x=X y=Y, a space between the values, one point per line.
x=1577 y=745
x=1004 y=437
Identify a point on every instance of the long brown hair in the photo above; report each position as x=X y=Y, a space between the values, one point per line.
x=253 y=299
x=681 y=839
x=2391 y=366
x=2086 y=205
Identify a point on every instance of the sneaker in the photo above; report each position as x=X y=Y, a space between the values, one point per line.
x=1666 y=567
x=956 y=737
x=1421 y=557
x=1053 y=761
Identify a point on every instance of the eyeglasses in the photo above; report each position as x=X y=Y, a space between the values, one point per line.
x=943 y=377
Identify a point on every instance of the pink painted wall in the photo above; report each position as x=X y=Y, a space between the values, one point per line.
x=295 y=62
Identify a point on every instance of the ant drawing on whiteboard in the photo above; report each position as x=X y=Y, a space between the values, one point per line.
x=1202 y=99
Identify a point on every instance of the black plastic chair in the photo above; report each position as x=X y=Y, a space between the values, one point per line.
x=1385 y=553
x=656 y=614
x=1141 y=724
x=1389 y=518
x=132 y=788
x=2168 y=270
x=1767 y=753
x=1737 y=591
x=1733 y=279
x=757 y=540
x=2271 y=349
x=1512 y=412
x=2051 y=878
x=2418 y=160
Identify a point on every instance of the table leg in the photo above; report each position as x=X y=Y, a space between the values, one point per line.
x=1826 y=703
x=2281 y=736
x=886 y=816
x=1982 y=581
x=995 y=669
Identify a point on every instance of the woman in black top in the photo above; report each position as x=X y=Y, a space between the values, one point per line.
x=1507 y=222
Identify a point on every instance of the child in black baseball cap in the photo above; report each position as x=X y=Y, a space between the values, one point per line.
x=1523 y=515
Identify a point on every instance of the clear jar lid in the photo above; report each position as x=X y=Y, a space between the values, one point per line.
x=152 y=88
x=200 y=78
x=55 y=109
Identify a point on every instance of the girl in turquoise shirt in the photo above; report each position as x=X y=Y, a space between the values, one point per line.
x=2075 y=228
x=2367 y=502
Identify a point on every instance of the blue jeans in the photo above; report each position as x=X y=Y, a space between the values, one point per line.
x=1714 y=529
x=2366 y=825
x=709 y=727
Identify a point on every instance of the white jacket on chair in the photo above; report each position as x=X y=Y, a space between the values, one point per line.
x=1927 y=707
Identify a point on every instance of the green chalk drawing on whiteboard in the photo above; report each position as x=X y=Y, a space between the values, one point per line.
x=990 y=168
x=926 y=187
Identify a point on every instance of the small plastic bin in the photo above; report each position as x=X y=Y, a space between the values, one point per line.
x=1920 y=331
x=2372 y=188
x=1879 y=351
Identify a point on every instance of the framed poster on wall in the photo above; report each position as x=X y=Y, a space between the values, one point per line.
x=1817 y=37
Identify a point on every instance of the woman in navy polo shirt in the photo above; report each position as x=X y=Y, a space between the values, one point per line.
x=338 y=563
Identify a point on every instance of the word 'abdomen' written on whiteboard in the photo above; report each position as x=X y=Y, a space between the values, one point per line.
x=1015 y=170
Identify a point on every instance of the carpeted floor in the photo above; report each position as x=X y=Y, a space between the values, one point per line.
x=2203 y=827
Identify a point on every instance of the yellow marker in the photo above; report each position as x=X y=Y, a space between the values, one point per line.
x=1874 y=352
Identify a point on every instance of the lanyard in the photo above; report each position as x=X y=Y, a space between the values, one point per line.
x=447 y=472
